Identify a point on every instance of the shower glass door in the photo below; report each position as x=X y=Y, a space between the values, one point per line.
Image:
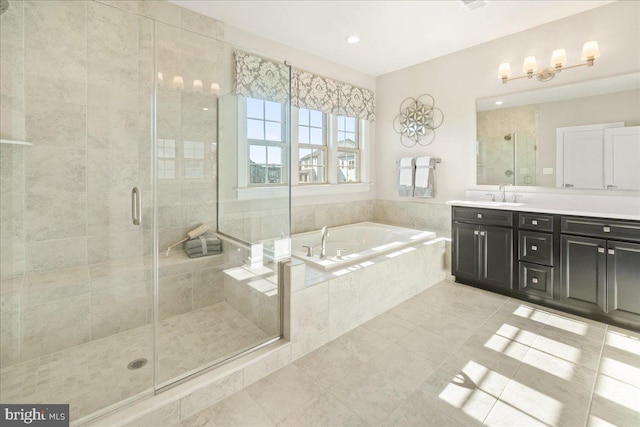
x=76 y=275
x=211 y=304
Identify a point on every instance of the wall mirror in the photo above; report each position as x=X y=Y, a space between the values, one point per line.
x=554 y=137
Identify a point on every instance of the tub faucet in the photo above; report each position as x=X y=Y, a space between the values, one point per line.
x=323 y=242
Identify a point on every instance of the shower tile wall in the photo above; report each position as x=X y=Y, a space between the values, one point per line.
x=77 y=80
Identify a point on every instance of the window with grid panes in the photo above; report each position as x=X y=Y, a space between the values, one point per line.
x=348 y=143
x=312 y=147
x=267 y=150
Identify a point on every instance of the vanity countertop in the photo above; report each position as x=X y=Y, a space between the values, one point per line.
x=592 y=208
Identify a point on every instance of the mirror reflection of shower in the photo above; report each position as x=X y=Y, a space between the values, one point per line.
x=524 y=158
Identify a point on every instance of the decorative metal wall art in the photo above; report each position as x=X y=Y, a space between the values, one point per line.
x=418 y=120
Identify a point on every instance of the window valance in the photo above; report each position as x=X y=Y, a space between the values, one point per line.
x=258 y=77
x=261 y=78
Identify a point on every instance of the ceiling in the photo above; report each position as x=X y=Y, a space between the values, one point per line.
x=393 y=34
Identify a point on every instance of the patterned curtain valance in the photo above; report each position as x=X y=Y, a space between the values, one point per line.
x=257 y=77
x=260 y=78
x=314 y=92
x=357 y=102
x=330 y=96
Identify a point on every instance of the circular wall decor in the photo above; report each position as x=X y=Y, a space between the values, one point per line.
x=418 y=120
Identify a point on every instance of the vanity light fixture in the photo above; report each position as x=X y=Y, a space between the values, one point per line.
x=590 y=51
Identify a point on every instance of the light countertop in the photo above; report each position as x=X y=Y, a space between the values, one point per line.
x=587 y=208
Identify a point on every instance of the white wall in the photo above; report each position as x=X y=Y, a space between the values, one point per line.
x=457 y=80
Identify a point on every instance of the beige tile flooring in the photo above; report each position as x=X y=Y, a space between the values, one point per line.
x=94 y=375
x=453 y=355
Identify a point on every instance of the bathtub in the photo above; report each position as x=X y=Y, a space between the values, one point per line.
x=359 y=242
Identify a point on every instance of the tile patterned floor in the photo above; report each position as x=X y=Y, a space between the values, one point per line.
x=94 y=375
x=452 y=356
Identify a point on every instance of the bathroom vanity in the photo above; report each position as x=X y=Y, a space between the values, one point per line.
x=573 y=261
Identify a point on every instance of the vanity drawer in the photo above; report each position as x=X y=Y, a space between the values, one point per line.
x=536 y=247
x=483 y=216
x=536 y=279
x=534 y=221
x=609 y=229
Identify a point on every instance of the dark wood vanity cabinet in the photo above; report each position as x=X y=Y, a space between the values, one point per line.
x=601 y=266
x=482 y=246
x=590 y=266
x=536 y=254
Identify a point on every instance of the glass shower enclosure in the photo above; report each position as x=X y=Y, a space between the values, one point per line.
x=95 y=312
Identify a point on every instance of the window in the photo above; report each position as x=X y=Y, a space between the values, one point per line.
x=348 y=143
x=166 y=159
x=267 y=148
x=312 y=146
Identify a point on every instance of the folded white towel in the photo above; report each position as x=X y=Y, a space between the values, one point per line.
x=406 y=172
x=422 y=171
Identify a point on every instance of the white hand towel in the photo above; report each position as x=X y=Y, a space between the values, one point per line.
x=422 y=171
x=406 y=172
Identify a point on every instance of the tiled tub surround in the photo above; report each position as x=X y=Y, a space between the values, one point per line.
x=325 y=305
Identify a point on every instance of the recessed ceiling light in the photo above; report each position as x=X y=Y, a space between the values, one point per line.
x=499 y=102
x=205 y=109
x=353 y=39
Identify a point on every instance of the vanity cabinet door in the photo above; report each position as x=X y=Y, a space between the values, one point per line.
x=584 y=278
x=496 y=256
x=465 y=250
x=623 y=278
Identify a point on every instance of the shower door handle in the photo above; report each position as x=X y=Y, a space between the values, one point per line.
x=136 y=206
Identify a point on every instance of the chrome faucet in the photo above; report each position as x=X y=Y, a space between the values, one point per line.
x=503 y=188
x=323 y=250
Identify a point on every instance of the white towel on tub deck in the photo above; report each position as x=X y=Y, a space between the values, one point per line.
x=406 y=169
x=424 y=181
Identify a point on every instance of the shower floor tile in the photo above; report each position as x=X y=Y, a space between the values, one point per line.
x=94 y=375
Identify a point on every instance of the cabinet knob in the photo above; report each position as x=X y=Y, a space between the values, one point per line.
x=534 y=222
x=611 y=252
x=480 y=216
x=606 y=229
x=482 y=233
x=534 y=248
x=476 y=232
x=534 y=280
x=601 y=250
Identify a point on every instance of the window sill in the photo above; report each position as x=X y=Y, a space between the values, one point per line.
x=329 y=189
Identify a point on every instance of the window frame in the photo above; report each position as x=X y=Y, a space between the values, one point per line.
x=282 y=144
x=355 y=150
x=324 y=147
